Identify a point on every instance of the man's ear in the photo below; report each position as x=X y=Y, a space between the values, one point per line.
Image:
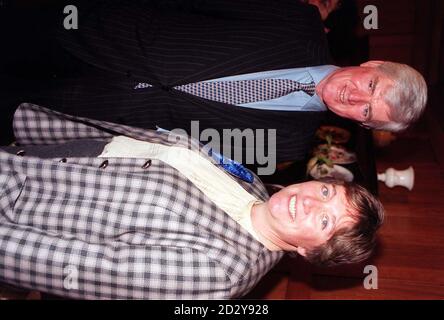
x=372 y=63
x=301 y=251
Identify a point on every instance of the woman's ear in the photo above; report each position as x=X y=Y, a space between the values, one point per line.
x=301 y=251
x=372 y=63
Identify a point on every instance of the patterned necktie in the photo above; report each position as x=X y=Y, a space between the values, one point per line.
x=245 y=91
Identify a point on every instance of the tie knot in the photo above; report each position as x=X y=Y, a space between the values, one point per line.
x=308 y=88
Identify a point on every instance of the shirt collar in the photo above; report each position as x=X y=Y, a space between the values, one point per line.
x=320 y=72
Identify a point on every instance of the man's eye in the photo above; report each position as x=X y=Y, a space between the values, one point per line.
x=370 y=85
x=324 y=222
x=366 y=112
x=324 y=191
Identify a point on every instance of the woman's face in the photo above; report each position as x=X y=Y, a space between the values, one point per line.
x=308 y=214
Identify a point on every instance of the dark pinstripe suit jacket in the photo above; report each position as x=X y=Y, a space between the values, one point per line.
x=169 y=43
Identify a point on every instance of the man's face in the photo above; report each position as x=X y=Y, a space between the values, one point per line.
x=357 y=93
x=307 y=215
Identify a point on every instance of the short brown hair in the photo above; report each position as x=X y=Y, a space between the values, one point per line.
x=356 y=243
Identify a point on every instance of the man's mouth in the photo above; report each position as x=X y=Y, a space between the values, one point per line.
x=342 y=95
x=292 y=207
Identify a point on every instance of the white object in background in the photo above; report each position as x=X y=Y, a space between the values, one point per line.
x=392 y=178
x=337 y=172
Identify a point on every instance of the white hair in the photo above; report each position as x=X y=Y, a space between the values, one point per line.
x=406 y=99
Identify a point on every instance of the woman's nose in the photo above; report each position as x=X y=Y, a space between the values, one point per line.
x=309 y=205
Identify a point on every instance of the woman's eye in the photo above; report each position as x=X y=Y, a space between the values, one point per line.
x=324 y=222
x=324 y=191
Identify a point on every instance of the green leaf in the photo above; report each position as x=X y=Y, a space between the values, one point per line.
x=326 y=160
x=329 y=140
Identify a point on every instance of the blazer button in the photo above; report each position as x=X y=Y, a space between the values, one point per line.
x=63 y=160
x=147 y=164
x=104 y=164
x=21 y=153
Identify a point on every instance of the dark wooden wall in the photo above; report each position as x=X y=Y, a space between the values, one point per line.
x=410 y=31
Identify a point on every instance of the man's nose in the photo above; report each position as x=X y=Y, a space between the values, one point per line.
x=357 y=97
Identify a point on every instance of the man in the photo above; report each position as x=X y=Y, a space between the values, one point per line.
x=91 y=209
x=164 y=64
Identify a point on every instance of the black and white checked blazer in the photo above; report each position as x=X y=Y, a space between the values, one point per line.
x=129 y=231
x=170 y=43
